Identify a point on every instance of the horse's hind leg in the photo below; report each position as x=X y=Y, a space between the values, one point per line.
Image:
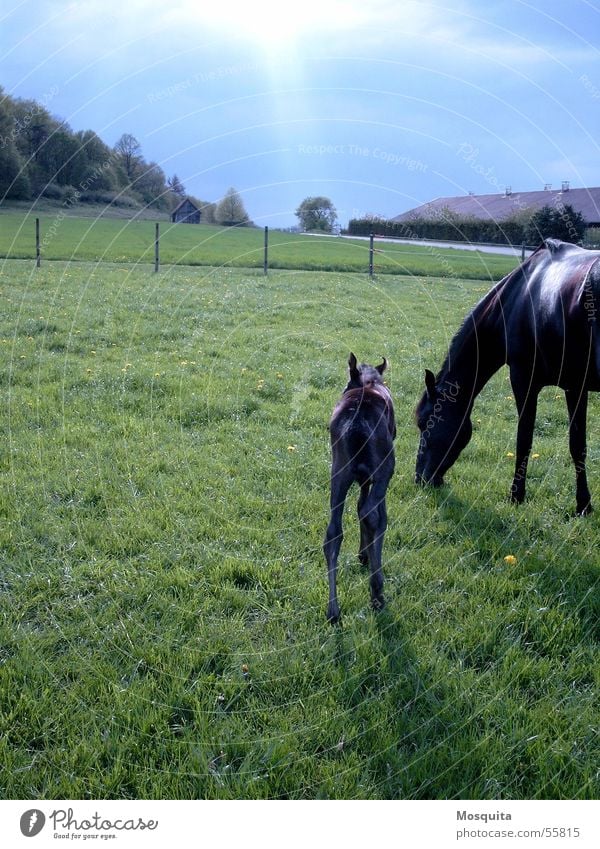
x=363 y=555
x=333 y=540
x=577 y=407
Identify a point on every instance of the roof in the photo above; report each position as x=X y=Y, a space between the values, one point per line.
x=183 y=202
x=500 y=206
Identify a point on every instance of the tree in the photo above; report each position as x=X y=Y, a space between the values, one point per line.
x=176 y=186
x=95 y=167
x=230 y=210
x=317 y=213
x=14 y=182
x=151 y=185
x=557 y=222
x=129 y=151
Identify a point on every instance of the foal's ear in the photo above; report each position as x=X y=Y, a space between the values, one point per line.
x=353 y=367
x=382 y=367
x=430 y=384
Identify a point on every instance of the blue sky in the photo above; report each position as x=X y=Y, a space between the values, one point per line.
x=378 y=105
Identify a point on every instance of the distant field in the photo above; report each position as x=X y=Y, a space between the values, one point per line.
x=163 y=498
x=108 y=240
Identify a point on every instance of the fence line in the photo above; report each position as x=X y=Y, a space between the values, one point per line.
x=468 y=250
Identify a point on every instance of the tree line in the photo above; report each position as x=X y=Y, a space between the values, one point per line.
x=42 y=156
x=527 y=227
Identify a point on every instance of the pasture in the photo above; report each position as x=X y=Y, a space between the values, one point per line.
x=165 y=477
x=64 y=236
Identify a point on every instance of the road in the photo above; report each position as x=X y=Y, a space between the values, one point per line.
x=460 y=246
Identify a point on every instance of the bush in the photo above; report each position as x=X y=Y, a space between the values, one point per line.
x=53 y=191
x=592 y=237
x=523 y=227
x=447 y=226
x=557 y=222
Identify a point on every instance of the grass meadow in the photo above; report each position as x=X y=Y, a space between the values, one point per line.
x=164 y=493
x=66 y=237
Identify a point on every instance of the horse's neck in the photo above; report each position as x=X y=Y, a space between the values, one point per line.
x=477 y=351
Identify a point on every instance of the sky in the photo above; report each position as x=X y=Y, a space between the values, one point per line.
x=379 y=106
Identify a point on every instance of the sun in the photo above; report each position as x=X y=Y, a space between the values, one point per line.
x=276 y=26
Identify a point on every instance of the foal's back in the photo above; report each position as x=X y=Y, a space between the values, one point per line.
x=362 y=430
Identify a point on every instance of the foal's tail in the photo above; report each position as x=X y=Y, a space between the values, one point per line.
x=360 y=454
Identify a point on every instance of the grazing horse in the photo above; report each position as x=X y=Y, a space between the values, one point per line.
x=362 y=431
x=542 y=321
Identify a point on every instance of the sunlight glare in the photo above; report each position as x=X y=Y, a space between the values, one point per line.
x=274 y=25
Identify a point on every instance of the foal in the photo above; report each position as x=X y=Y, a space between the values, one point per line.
x=362 y=431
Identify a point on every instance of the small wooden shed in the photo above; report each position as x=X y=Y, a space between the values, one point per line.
x=186 y=213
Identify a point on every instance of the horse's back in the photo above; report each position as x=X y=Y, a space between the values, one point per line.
x=553 y=324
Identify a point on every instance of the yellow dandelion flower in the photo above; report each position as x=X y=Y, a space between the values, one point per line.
x=535 y=456
x=510 y=559
x=291 y=448
x=509 y=454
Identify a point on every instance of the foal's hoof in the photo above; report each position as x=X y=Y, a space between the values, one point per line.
x=363 y=558
x=378 y=602
x=585 y=510
x=333 y=613
x=517 y=497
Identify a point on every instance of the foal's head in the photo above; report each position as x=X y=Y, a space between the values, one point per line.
x=363 y=375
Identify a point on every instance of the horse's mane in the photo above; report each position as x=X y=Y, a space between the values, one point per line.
x=484 y=310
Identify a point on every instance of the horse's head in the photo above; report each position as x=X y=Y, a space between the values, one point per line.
x=363 y=374
x=444 y=421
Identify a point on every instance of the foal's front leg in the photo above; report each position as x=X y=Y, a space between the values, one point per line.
x=526 y=398
x=577 y=406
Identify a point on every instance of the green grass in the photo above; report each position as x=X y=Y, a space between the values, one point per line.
x=163 y=498
x=66 y=237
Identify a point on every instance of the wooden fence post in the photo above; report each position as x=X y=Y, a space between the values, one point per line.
x=371 y=251
x=38 y=256
x=156 y=249
x=266 y=259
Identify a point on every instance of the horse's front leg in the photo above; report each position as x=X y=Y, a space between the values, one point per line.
x=577 y=407
x=526 y=399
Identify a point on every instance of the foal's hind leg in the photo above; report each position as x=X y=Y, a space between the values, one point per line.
x=363 y=555
x=333 y=540
x=577 y=406
x=374 y=520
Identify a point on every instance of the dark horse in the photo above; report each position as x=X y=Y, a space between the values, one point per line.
x=362 y=431
x=540 y=320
